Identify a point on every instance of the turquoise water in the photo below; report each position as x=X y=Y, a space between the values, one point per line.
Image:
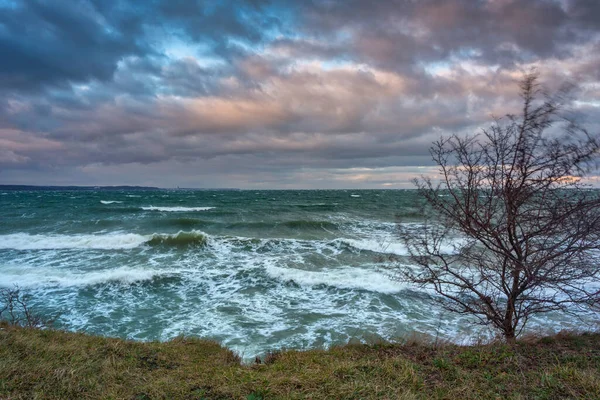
x=255 y=270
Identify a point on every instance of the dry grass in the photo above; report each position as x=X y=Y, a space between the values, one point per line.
x=48 y=364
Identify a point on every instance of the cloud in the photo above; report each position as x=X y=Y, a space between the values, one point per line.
x=271 y=93
x=45 y=43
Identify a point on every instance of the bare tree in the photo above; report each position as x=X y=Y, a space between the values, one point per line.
x=15 y=310
x=511 y=230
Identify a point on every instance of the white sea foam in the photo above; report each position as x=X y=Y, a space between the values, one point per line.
x=25 y=241
x=241 y=298
x=376 y=245
x=110 y=241
x=35 y=277
x=387 y=244
x=109 y=201
x=355 y=195
x=237 y=290
x=344 y=278
x=176 y=209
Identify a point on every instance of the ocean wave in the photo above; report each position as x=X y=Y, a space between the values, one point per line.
x=112 y=241
x=374 y=245
x=184 y=222
x=343 y=278
x=294 y=224
x=317 y=206
x=310 y=224
x=387 y=246
x=193 y=238
x=25 y=241
x=110 y=201
x=313 y=204
x=176 y=209
x=225 y=244
x=218 y=244
x=66 y=278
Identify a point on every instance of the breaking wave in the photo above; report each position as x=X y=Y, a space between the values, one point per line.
x=114 y=241
x=193 y=238
x=176 y=209
x=343 y=278
x=67 y=278
x=25 y=241
x=376 y=246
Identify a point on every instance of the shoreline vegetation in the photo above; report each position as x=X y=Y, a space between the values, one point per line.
x=54 y=364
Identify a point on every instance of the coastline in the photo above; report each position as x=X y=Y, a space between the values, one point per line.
x=54 y=364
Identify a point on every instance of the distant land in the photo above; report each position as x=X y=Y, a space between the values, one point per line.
x=41 y=187
x=35 y=187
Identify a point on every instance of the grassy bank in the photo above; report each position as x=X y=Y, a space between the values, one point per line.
x=54 y=364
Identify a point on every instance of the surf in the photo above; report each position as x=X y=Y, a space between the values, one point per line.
x=110 y=241
x=177 y=209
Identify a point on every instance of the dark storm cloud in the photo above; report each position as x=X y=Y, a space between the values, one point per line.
x=247 y=20
x=395 y=33
x=52 y=42
x=324 y=92
x=44 y=43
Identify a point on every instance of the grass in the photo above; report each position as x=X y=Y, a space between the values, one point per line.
x=50 y=364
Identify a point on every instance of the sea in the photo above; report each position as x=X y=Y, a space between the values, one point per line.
x=255 y=270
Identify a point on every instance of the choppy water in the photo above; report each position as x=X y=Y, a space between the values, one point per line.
x=254 y=270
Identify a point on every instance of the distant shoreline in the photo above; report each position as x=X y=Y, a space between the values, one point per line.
x=125 y=187
x=120 y=187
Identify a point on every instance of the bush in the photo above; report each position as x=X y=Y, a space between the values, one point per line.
x=15 y=310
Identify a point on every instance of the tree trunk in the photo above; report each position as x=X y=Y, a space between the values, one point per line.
x=509 y=335
x=509 y=325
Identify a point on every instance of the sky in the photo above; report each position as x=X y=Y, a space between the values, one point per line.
x=272 y=94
